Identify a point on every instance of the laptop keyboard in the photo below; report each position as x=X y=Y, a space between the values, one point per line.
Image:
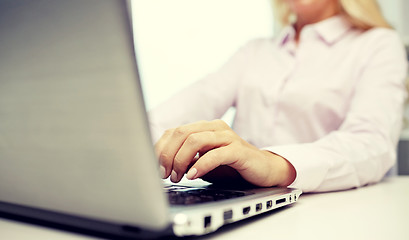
x=182 y=195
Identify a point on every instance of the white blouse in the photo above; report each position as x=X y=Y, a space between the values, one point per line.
x=331 y=105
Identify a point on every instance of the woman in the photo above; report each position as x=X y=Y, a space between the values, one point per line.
x=319 y=107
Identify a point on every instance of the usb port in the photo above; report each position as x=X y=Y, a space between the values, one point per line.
x=269 y=204
x=258 y=207
x=246 y=210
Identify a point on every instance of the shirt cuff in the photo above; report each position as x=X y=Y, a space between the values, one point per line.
x=310 y=169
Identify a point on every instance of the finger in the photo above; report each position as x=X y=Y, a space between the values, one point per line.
x=180 y=134
x=173 y=140
x=211 y=160
x=197 y=142
x=165 y=160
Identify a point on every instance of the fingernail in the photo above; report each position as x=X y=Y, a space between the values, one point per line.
x=162 y=172
x=191 y=174
x=174 y=176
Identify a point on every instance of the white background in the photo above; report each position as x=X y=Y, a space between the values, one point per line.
x=180 y=41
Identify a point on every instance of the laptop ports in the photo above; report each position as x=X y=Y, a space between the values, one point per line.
x=269 y=204
x=281 y=200
x=207 y=221
x=259 y=206
x=228 y=215
x=246 y=210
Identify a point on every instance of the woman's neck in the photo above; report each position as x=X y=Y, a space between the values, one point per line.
x=306 y=19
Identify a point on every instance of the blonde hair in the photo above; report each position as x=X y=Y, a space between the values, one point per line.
x=362 y=14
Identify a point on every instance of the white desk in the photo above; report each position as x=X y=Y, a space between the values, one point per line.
x=379 y=211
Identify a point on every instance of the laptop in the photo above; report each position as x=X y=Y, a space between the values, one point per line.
x=75 y=146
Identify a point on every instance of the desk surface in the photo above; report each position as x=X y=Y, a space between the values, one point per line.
x=378 y=211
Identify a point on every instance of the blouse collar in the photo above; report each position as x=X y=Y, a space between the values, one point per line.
x=330 y=30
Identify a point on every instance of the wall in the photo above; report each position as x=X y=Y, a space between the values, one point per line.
x=180 y=41
x=396 y=12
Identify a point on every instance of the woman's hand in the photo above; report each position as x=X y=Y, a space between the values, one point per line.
x=201 y=147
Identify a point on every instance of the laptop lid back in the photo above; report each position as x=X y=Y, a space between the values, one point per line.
x=73 y=131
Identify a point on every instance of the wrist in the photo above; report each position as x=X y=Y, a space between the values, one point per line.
x=282 y=171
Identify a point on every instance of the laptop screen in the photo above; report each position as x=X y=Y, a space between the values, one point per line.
x=73 y=128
